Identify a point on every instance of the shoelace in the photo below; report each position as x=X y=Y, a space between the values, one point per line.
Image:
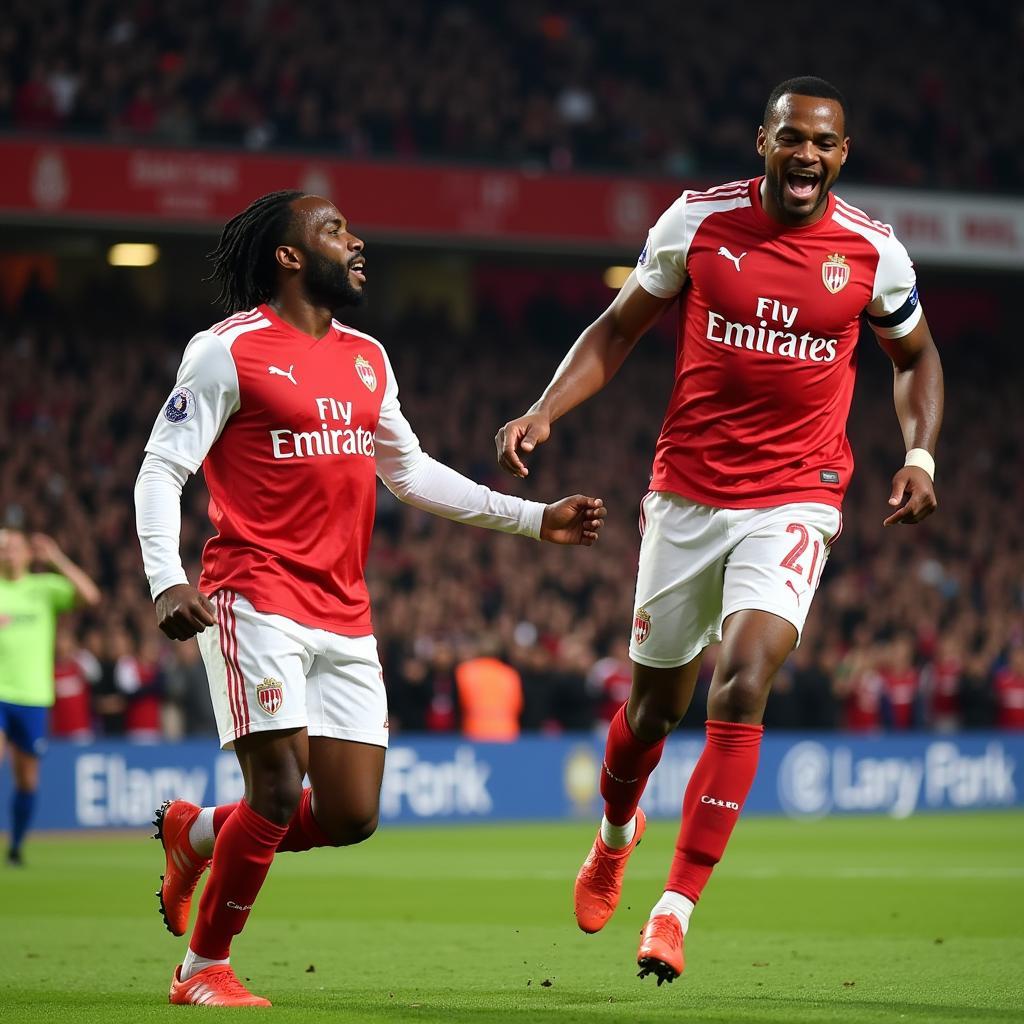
x=225 y=980
x=604 y=870
x=667 y=928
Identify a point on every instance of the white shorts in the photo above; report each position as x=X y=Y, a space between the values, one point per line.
x=267 y=672
x=700 y=564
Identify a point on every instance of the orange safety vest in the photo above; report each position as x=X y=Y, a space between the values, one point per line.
x=491 y=698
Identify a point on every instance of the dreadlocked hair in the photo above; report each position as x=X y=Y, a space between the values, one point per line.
x=243 y=262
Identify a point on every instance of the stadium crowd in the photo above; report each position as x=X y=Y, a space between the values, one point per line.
x=649 y=87
x=912 y=628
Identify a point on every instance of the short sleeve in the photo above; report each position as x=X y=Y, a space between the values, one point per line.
x=894 y=310
x=60 y=591
x=204 y=397
x=661 y=268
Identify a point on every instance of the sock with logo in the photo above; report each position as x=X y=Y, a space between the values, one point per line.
x=303 y=831
x=717 y=789
x=628 y=763
x=676 y=904
x=242 y=857
x=23 y=806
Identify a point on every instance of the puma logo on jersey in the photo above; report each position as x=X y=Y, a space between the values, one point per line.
x=272 y=370
x=729 y=256
x=795 y=591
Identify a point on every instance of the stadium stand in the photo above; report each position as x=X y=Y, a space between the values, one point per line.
x=647 y=87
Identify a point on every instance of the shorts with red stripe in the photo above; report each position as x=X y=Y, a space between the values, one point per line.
x=267 y=672
x=699 y=564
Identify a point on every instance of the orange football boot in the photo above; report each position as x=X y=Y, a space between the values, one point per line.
x=212 y=986
x=599 y=883
x=661 y=948
x=184 y=866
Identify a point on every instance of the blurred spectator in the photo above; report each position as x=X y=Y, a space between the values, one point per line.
x=941 y=682
x=900 y=684
x=189 y=710
x=75 y=670
x=490 y=697
x=861 y=688
x=609 y=681
x=1009 y=687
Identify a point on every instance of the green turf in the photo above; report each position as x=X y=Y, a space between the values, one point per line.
x=848 y=920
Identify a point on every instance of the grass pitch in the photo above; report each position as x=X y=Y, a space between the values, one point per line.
x=842 y=920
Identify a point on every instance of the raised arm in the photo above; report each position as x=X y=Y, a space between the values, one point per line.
x=47 y=550
x=918 y=396
x=591 y=362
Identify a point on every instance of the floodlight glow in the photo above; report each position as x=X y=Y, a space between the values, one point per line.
x=133 y=254
x=615 y=277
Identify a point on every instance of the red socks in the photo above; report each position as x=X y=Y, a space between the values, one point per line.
x=717 y=789
x=303 y=831
x=627 y=765
x=220 y=815
x=242 y=856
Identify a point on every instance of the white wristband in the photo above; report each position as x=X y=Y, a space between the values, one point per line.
x=921 y=458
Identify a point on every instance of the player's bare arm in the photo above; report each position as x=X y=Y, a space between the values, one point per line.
x=587 y=367
x=918 y=396
x=46 y=549
x=181 y=612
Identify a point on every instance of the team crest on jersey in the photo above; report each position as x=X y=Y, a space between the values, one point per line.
x=641 y=625
x=835 y=273
x=366 y=373
x=181 y=406
x=270 y=695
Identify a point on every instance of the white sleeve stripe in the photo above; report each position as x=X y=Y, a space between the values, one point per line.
x=351 y=330
x=232 y=334
x=867 y=232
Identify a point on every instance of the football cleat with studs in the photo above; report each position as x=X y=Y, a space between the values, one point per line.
x=184 y=867
x=661 y=948
x=599 y=883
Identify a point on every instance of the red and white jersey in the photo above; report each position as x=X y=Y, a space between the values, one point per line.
x=71 y=714
x=1009 y=691
x=292 y=432
x=768 y=326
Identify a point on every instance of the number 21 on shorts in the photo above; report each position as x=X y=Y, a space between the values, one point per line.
x=792 y=560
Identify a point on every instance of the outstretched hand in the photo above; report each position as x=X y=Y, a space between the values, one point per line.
x=181 y=612
x=574 y=520
x=521 y=436
x=914 y=493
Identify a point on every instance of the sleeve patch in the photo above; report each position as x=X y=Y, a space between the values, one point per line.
x=181 y=406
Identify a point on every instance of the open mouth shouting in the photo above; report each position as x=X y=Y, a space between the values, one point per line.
x=802 y=185
x=357 y=269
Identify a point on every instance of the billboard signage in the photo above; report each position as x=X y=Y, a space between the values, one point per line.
x=117 y=785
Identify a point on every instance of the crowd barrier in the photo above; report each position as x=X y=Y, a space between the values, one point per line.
x=117 y=785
